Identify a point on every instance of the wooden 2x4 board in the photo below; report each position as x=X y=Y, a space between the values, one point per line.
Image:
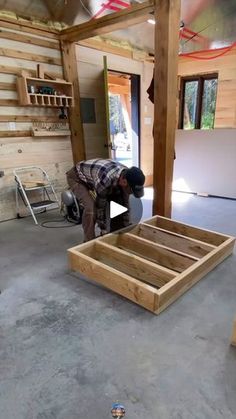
x=153 y=263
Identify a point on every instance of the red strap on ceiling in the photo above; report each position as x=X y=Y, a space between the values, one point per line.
x=115 y=5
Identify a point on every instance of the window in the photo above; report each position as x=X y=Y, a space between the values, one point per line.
x=198 y=102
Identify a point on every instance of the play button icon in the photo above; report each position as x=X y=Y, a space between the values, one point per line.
x=116 y=209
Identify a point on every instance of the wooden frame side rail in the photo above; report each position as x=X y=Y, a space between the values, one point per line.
x=145 y=270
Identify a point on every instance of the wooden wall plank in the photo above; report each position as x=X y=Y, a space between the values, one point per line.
x=18 y=147
x=14 y=36
x=29 y=27
x=7 y=86
x=18 y=70
x=7 y=52
x=29 y=118
x=9 y=102
x=4 y=134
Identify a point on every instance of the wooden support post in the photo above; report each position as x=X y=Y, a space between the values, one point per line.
x=71 y=75
x=167 y=16
x=233 y=338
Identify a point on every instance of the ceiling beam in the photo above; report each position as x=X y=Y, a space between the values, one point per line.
x=115 y=21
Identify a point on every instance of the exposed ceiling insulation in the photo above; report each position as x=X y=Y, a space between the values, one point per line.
x=208 y=23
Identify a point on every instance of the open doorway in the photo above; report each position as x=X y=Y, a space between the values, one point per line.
x=123 y=95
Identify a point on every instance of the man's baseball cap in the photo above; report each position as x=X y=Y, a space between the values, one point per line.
x=136 y=180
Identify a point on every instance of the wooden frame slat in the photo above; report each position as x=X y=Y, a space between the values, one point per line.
x=177 y=261
x=172 y=240
x=134 y=265
x=123 y=284
x=187 y=279
x=127 y=263
x=206 y=236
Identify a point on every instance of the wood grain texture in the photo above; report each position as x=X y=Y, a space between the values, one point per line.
x=123 y=284
x=7 y=86
x=7 y=52
x=29 y=118
x=18 y=147
x=28 y=27
x=167 y=14
x=206 y=236
x=103 y=260
x=155 y=253
x=178 y=286
x=6 y=134
x=71 y=74
x=16 y=36
x=9 y=102
x=120 y=20
x=133 y=265
x=233 y=337
x=18 y=71
x=177 y=242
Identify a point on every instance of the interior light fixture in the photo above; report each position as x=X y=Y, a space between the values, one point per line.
x=152 y=21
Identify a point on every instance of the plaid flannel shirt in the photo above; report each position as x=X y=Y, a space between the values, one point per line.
x=101 y=176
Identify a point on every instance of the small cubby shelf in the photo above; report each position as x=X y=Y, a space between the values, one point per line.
x=29 y=95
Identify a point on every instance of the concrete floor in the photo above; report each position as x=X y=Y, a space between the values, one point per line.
x=69 y=348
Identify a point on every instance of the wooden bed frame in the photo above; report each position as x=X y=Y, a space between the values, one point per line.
x=153 y=263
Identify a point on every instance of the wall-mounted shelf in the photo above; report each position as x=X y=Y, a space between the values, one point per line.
x=46 y=93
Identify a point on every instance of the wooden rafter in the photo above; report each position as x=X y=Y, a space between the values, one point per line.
x=120 y=20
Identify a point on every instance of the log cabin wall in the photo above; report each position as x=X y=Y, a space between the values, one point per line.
x=225 y=66
x=23 y=47
x=205 y=160
x=196 y=146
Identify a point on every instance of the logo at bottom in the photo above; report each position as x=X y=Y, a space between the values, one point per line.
x=117 y=411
